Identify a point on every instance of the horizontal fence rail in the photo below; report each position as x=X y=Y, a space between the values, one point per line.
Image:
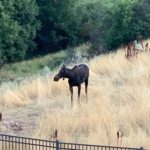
x=8 y=142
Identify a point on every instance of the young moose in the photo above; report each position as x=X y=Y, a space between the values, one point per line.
x=77 y=75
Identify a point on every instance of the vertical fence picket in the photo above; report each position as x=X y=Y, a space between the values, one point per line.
x=57 y=145
x=5 y=143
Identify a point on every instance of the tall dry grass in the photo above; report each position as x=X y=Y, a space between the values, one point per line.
x=119 y=99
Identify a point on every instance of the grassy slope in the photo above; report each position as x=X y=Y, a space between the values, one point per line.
x=119 y=97
x=34 y=66
x=30 y=67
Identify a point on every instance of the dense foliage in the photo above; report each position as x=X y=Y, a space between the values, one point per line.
x=33 y=27
x=18 y=26
x=124 y=21
x=58 y=24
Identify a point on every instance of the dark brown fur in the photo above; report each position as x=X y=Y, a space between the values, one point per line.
x=77 y=75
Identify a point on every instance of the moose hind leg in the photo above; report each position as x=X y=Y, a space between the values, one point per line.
x=79 y=91
x=86 y=89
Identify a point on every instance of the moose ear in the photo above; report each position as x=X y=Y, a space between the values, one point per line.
x=63 y=66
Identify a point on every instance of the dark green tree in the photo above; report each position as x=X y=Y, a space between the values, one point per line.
x=18 y=26
x=124 y=21
x=58 y=25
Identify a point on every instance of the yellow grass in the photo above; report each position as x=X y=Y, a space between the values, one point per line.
x=119 y=99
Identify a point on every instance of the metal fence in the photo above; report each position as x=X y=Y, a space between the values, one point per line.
x=8 y=142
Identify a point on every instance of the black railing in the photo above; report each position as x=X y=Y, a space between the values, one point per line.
x=8 y=142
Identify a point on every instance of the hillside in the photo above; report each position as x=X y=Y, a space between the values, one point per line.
x=118 y=94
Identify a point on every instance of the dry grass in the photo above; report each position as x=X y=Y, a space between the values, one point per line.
x=119 y=97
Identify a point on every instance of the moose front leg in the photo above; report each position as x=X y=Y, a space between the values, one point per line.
x=71 y=91
x=79 y=91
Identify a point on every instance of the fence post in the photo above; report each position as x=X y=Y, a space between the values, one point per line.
x=141 y=148
x=57 y=145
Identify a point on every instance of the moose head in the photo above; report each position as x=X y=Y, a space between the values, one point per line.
x=61 y=73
